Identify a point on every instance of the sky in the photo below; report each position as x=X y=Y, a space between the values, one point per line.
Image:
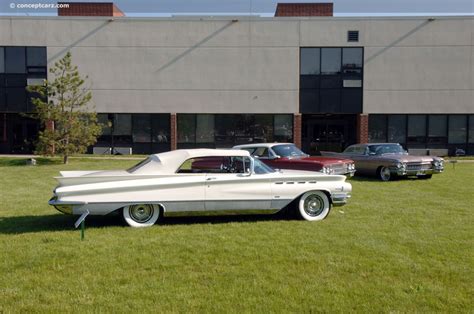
x=258 y=7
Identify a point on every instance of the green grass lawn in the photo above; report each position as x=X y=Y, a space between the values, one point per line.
x=400 y=246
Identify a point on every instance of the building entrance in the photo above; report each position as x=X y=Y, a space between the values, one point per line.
x=328 y=132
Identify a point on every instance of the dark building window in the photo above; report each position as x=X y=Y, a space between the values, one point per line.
x=16 y=99
x=141 y=128
x=15 y=60
x=18 y=133
x=470 y=140
x=2 y=60
x=186 y=128
x=330 y=100
x=3 y=101
x=416 y=130
x=105 y=120
x=471 y=129
x=283 y=128
x=3 y=128
x=457 y=129
x=397 y=128
x=15 y=80
x=437 y=129
x=204 y=128
x=331 y=80
x=160 y=130
x=227 y=130
x=122 y=128
x=377 y=128
x=19 y=68
x=309 y=63
x=330 y=60
x=351 y=100
x=36 y=56
x=352 y=58
x=145 y=133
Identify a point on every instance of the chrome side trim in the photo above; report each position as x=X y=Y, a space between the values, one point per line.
x=222 y=212
x=179 y=206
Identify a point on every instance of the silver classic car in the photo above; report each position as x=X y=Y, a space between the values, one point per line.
x=198 y=181
x=389 y=160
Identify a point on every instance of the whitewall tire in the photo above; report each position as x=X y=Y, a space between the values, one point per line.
x=141 y=215
x=314 y=206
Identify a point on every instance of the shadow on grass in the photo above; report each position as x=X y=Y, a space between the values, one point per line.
x=59 y=222
x=48 y=223
x=363 y=179
x=223 y=219
x=17 y=162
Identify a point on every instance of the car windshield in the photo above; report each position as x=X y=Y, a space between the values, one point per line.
x=386 y=149
x=261 y=168
x=288 y=151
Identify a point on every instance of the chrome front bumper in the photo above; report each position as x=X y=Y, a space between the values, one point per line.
x=340 y=198
x=418 y=172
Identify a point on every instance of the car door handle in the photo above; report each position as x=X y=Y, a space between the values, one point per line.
x=210 y=178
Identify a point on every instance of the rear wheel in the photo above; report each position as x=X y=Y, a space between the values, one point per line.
x=141 y=215
x=384 y=174
x=314 y=206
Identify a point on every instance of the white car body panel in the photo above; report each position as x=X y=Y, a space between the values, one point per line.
x=157 y=182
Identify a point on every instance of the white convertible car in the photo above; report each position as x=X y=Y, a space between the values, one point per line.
x=198 y=181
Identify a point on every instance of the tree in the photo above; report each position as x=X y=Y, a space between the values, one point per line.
x=69 y=125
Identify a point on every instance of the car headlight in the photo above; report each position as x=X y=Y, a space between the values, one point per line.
x=401 y=165
x=325 y=170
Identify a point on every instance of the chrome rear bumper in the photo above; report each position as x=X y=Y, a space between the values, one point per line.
x=63 y=207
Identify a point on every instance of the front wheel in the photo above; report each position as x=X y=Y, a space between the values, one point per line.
x=314 y=206
x=141 y=215
x=384 y=174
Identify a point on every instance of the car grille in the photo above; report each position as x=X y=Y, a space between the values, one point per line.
x=339 y=168
x=418 y=166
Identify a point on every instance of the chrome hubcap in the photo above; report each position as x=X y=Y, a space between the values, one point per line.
x=141 y=213
x=385 y=174
x=314 y=205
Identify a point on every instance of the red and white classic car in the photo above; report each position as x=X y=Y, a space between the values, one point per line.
x=288 y=156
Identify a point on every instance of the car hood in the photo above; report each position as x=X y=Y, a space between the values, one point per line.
x=317 y=160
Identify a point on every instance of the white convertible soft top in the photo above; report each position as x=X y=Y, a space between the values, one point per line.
x=169 y=162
